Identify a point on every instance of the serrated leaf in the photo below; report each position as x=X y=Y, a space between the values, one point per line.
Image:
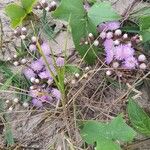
x=119 y=130
x=91 y=131
x=100 y=133
x=102 y=12
x=139 y=119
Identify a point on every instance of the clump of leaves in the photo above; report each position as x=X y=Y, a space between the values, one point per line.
x=18 y=13
x=106 y=135
x=82 y=23
x=139 y=119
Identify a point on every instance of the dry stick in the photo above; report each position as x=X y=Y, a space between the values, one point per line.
x=78 y=92
x=131 y=89
x=136 y=145
x=128 y=10
x=93 y=96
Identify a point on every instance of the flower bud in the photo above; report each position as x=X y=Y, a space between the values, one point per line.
x=143 y=66
x=118 y=32
x=96 y=43
x=108 y=73
x=109 y=35
x=142 y=58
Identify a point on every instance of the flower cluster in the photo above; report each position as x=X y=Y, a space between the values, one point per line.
x=40 y=72
x=120 y=48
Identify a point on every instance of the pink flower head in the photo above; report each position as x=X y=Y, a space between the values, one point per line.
x=37 y=103
x=123 y=51
x=109 y=50
x=130 y=63
x=37 y=65
x=52 y=69
x=60 y=62
x=45 y=48
x=33 y=93
x=56 y=93
x=118 y=52
x=29 y=73
x=48 y=60
x=128 y=51
x=44 y=75
x=112 y=25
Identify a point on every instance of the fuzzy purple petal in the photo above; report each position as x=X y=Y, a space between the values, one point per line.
x=45 y=48
x=109 y=50
x=112 y=25
x=118 y=52
x=130 y=63
x=128 y=51
x=44 y=75
x=37 y=103
x=37 y=65
x=56 y=93
x=29 y=73
x=60 y=62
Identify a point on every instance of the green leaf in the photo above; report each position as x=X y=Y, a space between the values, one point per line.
x=72 y=69
x=139 y=119
x=81 y=25
x=145 y=23
x=100 y=133
x=67 y=8
x=119 y=130
x=146 y=35
x=92 y=131
x=16 y=14
x=105 y=144
x=145 y=11
x=73 y=11
x=102 y=12
x=145 y=28
x=27 y=5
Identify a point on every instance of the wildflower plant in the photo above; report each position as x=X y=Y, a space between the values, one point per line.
x=99 y=35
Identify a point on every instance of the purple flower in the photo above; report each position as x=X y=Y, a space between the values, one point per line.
x=128 y=51
x=60 y=62
x=118 y=52
x=56 y=93
x=46 y=98
x=29 y=73
x=45 y=48
x=37 y=103
x=130 y=63
x=34 y=93
x=86 y=6
x=48 y=59
x=52 y=69
x=44 y=75
x=122 y=52
x=109 y=50
x=37 y=65
x=112 y=25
